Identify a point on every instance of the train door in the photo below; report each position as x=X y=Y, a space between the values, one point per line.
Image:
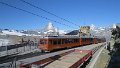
x=82 y=41
x=50 y=43
x=59 y=43
x=55 y=43
x=43 y=44
x=95 y=41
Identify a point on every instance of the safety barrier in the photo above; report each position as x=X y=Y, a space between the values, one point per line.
x=16 y=50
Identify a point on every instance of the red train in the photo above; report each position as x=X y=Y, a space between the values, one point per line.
x=51 y=43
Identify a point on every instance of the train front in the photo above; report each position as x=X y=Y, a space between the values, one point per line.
x=43 y=44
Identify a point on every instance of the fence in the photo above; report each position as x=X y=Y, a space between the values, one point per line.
x=17 y=48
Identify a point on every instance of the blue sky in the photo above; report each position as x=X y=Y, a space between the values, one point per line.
x=82 y=12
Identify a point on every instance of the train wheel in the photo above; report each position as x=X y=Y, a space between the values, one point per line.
x=42 y=51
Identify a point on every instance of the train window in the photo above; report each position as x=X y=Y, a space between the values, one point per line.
x=43 y=41
x=65 y=40
x=62 y=41
x=59 y=41
x=74 y=40
x=77 y=40
x=84 y=39
x=54 y=42
x=50 y=42
x=91 y=39
x=70 y=40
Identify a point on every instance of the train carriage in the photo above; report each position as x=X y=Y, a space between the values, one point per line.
x=51 y=43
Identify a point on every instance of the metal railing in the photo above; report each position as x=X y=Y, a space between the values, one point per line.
x=16 y=49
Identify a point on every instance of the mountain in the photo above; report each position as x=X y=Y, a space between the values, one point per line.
x=51 y=30
x=12 y=32
x=31 y=32
x=50 y=27
x=92 y=27
x=19 y=32
x=74 y=32
x=62 y=32
x=101 y=32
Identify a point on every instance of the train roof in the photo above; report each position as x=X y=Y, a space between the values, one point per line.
x=68 y=37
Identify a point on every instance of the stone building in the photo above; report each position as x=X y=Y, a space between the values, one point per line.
x=84 y=31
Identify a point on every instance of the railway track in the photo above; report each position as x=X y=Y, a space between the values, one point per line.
x=46 y=60
x=28 y=58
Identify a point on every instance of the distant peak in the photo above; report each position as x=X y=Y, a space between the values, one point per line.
x=92 y=27
x=50 y=26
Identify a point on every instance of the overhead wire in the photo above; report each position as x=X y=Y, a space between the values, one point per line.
x=34 y=14
x=47 y=12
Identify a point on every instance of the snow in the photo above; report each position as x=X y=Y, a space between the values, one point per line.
x=51 y=29
x=12 y=33
x=62 y=32
x=50 y=26
x=4 y=42
x=92 y=27
x=32 y=35
x=114 y=26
